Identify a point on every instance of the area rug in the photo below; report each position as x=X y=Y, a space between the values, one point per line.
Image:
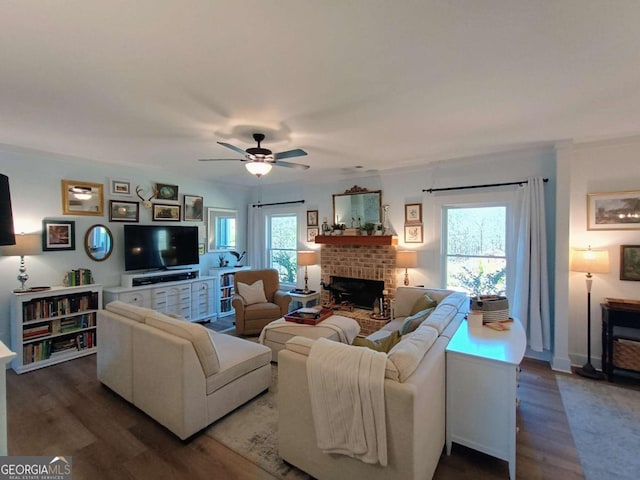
x=605 y=424
x=252 y=431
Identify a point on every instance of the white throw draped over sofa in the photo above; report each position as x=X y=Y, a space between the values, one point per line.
x=179 y=373
x=414 y=394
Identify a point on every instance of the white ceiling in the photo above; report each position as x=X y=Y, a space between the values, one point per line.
x=378 y=84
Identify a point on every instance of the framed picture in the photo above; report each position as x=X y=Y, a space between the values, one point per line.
x=166 y=213
x=201 y=249
x=193 y=208
x=312 y=218
x=613 y=211
x=58 y=235
x=413 y=213
x=630 y=262
x=312 y=232
x=120 y=187
x=413 y=233
x=82 y=198
x=167 y=192
x=120 y=211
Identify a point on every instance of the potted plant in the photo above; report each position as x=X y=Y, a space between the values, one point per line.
x=369 y=227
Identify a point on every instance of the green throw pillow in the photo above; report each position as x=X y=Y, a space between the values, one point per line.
x=412 y=322
x=382 y=345
x=422 y=303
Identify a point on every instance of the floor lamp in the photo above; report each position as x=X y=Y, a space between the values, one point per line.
x=305 y=259
x=589 y=261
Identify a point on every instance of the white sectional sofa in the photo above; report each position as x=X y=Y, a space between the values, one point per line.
x=414 y=390
x=179 y=373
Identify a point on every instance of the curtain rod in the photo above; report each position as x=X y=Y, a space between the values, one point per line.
x=486 y=185
x=260 y=205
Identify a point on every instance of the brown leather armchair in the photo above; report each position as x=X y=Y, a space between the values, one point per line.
x=251 y=319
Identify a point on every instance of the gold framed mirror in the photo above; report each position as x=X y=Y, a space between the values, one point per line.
x=357 y=206
x=82 y=198
x=98 y=242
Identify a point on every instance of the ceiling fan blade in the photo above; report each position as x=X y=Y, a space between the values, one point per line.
x=233 y=147
x=290 y=153
x=220 y=159
x=299 y=166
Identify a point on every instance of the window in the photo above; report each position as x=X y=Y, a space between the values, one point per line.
x=282 y=241
x=475 y=248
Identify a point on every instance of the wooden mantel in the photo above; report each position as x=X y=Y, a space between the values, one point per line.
x=356 y=240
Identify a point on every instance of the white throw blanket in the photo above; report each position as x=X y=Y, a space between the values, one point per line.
x=346 y=328
x=348 y=403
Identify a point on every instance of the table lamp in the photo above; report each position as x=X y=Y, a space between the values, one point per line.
x=406 y=259
x=306 y=258
x=26 y=244
x=589 y=261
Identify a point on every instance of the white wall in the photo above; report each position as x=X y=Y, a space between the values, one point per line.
x=35 y=184
x=402 y=187
x=599 y=167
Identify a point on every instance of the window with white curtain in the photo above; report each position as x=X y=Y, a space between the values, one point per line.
x=475 y=248
x=282 y=241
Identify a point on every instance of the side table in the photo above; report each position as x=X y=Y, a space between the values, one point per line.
x=620 y=333
x=304 y=299
x=482 y=371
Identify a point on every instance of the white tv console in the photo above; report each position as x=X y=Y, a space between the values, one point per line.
x=179 y=292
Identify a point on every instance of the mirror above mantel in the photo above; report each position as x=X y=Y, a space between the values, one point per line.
x=357 y=206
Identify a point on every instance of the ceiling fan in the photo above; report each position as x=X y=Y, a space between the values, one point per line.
x=259 y=160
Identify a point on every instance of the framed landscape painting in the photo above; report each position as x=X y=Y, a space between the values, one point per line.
x=166 y=213
x=58 y=235
x=120 y=211
x=630 y=262
x=613 y=211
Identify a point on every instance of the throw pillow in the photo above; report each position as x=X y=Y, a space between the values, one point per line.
x=382 y=345
x=422 y=303
x=413 y=321
x=253 y=293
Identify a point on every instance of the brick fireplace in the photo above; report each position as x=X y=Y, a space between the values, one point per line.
x=368 y=262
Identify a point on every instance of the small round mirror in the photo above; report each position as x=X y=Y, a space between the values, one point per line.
x=98 y=243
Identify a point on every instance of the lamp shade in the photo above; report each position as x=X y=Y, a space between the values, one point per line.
x=258 y=168
x=26 y=244
x=589 y=261
x=407 y=259
x=306 y=258
x=6 y=215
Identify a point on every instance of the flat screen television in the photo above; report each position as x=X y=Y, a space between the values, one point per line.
x=151 y=247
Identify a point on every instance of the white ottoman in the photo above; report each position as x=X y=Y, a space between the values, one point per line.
x=336 y=328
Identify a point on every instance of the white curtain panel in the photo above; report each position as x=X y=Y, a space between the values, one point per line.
x=255 y=237
x=531 y=293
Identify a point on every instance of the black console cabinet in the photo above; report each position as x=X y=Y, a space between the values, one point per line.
x=619 y=325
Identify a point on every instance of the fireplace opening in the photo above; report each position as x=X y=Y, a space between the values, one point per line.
x=357 y=291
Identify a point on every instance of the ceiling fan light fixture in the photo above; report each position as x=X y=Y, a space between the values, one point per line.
x=258 y=168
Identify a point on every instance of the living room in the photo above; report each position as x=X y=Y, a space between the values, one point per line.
x=601 y=156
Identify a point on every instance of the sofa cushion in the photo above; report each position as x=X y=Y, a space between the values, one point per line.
x=237 y=358
x=407 y=355
x=382 y=345
x=440 y=317
x=193 y=332
x=253 y=293
x=132 y=312
x=422 y=303
x=413 y=321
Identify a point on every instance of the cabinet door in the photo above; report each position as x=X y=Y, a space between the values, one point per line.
x=141 y=298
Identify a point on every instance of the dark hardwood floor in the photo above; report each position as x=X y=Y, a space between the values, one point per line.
x=64 y=410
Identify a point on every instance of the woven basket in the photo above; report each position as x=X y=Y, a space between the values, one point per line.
x=494 y=308
x=626 y=354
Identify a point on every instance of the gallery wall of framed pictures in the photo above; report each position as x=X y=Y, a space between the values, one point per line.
x=413 y=226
